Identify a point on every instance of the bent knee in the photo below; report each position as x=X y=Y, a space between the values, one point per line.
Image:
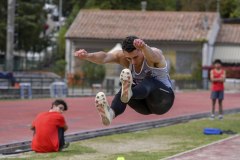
x=162 y=109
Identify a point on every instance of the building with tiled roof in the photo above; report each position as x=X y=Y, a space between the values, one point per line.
x=151 y=25
x=229 y=34
x=227 y=47
x=186 y=38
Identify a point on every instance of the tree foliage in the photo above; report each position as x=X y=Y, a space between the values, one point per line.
x=3 y=25
x=30 y=19
x=230 y=8
x=92 y=73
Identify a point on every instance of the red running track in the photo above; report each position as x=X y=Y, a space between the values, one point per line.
x=17 y=115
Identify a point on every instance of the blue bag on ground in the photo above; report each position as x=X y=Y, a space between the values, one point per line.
x=212 y=131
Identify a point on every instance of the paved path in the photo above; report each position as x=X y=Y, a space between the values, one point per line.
x=227 y=149
x=17 y=115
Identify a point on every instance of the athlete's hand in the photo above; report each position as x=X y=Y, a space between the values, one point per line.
x=81 y=53
x=139 y=44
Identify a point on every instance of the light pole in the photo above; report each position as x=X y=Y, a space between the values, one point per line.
x=60 y=13
x=10 y=35
x=218 y=6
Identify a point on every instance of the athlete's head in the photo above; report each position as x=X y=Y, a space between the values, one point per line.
x=135 y=56
x=127 y=44
x=59 y=105
x=217 y=63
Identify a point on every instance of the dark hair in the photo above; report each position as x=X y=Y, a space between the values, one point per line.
x=58 y=102
x=217 y=61
x=127 y=44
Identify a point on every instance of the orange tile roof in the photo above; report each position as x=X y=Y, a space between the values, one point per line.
x=229 y=33
x=149 y=25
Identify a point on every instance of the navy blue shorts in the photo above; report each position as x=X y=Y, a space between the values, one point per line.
x=217 y=95
x=150 y=96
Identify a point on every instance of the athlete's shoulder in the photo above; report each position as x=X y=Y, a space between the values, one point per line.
x=156 y=50
x=121 y=59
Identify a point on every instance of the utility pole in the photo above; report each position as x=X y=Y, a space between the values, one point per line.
x=10 y=35
x=218 y=6
x=60 y=13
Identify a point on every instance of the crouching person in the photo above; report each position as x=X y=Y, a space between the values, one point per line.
x=49 y=128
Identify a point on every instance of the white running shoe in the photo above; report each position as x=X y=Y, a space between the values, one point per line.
x=220 y=117
x=212 y=117
x=126 y=80
x=103 y=108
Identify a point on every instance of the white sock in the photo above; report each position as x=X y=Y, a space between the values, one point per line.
x=112 y=114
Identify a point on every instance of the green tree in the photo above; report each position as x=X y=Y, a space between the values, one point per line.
x=3 y=25
x=230 y=8
x=92 y=73
x=30 y=19
x=59 y=67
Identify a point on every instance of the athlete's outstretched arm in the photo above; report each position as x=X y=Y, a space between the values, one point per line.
x=153 y=55
x=99 y=57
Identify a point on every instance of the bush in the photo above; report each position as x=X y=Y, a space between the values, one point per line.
x=94 y=73
x=59 y=67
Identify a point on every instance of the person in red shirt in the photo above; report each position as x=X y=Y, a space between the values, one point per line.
x=49 y=128
x=217 y=76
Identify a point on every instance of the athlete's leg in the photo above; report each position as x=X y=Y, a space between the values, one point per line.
x=119 y=107
x=214 y=96
x=143 y=89
x=125 y=95
x=213 y=109
x=156 y=96
x=61 y=138
x=139 y=91
x=220 y=107
x=220 y=100
x=160 y=100
x=140 y=106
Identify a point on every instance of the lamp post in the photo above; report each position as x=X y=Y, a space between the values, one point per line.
x=10 y=35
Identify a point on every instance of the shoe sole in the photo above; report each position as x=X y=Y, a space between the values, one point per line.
x=103 y=108
x=126 y=80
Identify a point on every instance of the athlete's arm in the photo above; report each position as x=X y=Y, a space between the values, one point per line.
x=222 y=79
x=32 y=127
x=153 y=55
x=224 y=76
x=101 y=57
x=212 y=76
x=65 y=127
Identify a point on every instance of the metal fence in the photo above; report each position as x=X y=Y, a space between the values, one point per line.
x=188 y=84
x=41 y=87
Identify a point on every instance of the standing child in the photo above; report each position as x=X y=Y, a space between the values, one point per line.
x=217 y=76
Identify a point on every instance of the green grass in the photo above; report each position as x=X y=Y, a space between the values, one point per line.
x=152 y=144
x=74 y=149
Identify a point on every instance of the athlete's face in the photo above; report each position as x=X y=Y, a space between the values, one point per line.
x=59 y=108
x=135 y=57
x=217 y=65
